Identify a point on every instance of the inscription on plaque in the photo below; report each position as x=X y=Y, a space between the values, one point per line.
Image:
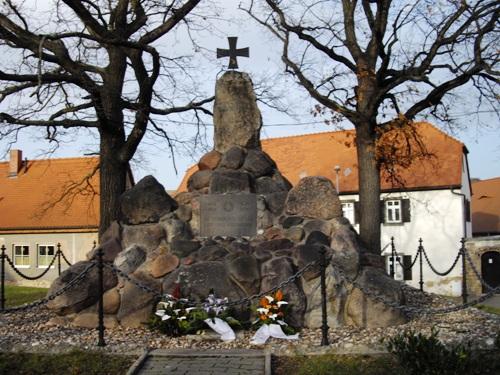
x=232 y=215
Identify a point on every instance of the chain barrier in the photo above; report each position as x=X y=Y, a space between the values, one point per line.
x=411 y=265
x=45 y=300
x=65 y=259
x=13 y=266
x=435 y=270
x=122 y=274
x=476 y=272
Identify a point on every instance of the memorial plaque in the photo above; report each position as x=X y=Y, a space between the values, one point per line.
x=232 y=215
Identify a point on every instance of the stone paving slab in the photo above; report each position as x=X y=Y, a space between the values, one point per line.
x=196 y=362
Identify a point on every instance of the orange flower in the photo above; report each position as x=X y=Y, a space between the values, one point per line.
x=263 y=317
x=279 y=295
x=264 y=302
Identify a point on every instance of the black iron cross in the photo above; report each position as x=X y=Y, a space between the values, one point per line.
x=232 y=52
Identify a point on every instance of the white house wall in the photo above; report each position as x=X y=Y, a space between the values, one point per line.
x=437 y=218
x=74 y=246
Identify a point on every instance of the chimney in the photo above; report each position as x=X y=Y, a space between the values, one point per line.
x=15 y=162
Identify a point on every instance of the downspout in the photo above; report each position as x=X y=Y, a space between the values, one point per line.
x=464 y=197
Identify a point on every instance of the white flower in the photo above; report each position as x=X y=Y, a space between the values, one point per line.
x=262 y=310
x=270 y=299
x=190 y=309
x=181 y=318
x=282 y=303
x=165 y=317
x=176 y=311
x=273 y=316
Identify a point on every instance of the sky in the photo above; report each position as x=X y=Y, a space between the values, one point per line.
x=153 y=157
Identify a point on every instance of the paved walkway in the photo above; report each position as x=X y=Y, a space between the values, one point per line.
x=195 y=362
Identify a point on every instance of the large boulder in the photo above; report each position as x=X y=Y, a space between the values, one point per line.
x=163 y=264
x=199 y=180
x=314 y=197
x=237 y=118
x=136 y=305
x=228 y=181
x=146 y=202
x=244 y=271
x=130 y=259
x=147 y=236
x=82 y=295
x=258 y=163
x=233 y=158
x=209 y=161
x=346 y=246
x=110 y=249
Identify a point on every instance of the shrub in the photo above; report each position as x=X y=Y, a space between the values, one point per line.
x=426 y=355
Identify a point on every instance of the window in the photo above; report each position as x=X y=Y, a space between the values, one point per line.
x=393 y=211
x=45 y=255
x=348 y=211
x=22 y=256
x=402 y=269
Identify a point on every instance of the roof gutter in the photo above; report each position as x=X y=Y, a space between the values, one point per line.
x=464 y=197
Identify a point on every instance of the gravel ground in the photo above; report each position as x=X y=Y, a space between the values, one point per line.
x=35 y=331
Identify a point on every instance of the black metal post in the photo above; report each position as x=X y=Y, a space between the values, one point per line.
x=392 y=265
x=2 y=291
x=464 y=272
x=421 y=262
x=59 y=258
x=324 y=315
x=100 y=327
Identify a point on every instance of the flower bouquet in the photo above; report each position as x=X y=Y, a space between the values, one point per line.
x=270 y=321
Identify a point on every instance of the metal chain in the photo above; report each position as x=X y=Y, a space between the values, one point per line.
x=13 y=266
x=436 y=271
x=120 y=273
x=476 y=272
x=411 y=265
x=45 y=300
x=65 y=259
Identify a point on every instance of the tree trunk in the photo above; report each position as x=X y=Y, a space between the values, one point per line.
x=113 y=173
x=369 y=187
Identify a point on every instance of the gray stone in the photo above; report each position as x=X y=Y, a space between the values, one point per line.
x=146 y=202
x=110 y=249
x=363 y=311
x=237 y=118
x=199 y=180
x=114 y=231
x=318 y=238
x=77 y=299
x=273 y=245
x=210 y=253
x=262 y=255
x=147 y=236
x=314 y=197
x=281 y=180
x=346 y=246
x=136 y=306
x=228 y=181
x=184 y=212
x=275 y=271
x=266 y=185
x=197 y=279
x=130 y=259
x=175 y=229
x=291 y=221
x=244 y=271
x=295 y=234
x=258 y=163
x=111 y=301
x=319 y=226
x=183 y=248
x=233 y=158
x=305 y=254
x=276 y=202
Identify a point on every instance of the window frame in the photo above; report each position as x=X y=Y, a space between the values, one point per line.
x=14 y=256
x=353 y=203
x=46 y=245
x=387 y=209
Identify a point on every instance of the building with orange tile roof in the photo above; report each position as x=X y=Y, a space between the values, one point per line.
x=486 y=207
x=429 y=200
x=43 y=203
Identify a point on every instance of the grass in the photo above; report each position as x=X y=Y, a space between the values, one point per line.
x=489 y=309
x=337 y=364
x=72 y=363
x=19 y=295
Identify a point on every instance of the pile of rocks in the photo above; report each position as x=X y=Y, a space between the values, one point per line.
x=157 y=240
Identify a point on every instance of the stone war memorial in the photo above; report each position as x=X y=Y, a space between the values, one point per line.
x=241 y=229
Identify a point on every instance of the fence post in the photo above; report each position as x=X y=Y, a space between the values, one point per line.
x=2 y=291
x=421 y=262
x=392 y=267
x=59 y=258
x=464 y=272
x=324 y=316
x=100 y=327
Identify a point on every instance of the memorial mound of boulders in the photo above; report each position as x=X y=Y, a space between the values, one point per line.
x=161 y=241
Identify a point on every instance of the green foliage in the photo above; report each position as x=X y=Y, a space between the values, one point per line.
x=489 y=309
x=73 y=363
x=336 y=364
x=19 y=295
x=418 y=354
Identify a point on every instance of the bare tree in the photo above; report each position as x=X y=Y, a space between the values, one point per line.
x=380 y=64
x=95 y=65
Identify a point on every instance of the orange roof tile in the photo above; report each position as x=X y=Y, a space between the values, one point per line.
x=30 y=200
x=485 y=206
x=317 y=155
